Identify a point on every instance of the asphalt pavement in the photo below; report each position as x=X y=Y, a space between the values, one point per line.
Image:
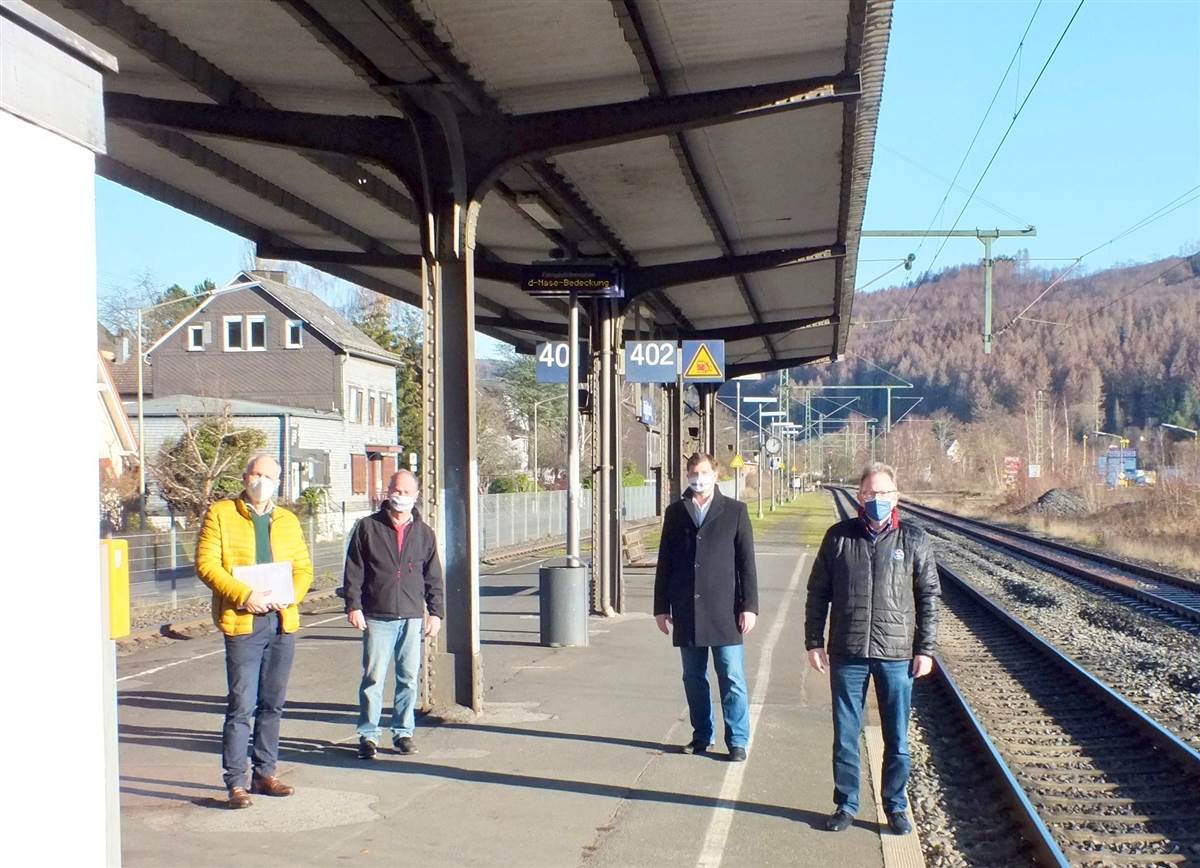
x=575 y=760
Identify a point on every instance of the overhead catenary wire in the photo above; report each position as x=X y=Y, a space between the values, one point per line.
x=951 y=186
x=1155 y=215
x=996 y=152
x=1072 y=323
x=881 y=276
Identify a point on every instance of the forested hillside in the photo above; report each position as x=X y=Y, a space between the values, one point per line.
x=1122 y=343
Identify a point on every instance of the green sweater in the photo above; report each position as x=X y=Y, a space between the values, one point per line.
x=262 y=537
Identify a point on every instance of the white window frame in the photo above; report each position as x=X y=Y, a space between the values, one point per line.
x=195 y=346
x=225 y=321
x=250 y=320
x=297 y=324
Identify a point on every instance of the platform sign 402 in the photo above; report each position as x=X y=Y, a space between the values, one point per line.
x=651 y=361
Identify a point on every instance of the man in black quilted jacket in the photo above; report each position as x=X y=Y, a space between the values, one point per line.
x=395 y=595
x=877 y=582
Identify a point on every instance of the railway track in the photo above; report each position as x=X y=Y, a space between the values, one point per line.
x=1090 y=779
x=1176 y=598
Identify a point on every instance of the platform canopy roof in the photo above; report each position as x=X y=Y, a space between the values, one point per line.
x=787 y=184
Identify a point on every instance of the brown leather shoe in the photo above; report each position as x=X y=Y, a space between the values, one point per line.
x=238 y=798
x=270 y=786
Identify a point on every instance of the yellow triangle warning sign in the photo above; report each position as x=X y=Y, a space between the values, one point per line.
x=737 y=461
x=702 y=364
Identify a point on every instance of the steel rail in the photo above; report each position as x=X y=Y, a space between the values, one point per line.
x=1172 y=593
x=1035 y=830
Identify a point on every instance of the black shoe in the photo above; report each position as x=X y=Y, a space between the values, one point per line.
x=839 y=822
x=899 y=824
x=737 y=754
x=404 y=744
x=367 y=749
x=697 y=747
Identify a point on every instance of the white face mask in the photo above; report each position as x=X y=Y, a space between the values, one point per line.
x=701 y=483
x=261 y=489
x=400 y=502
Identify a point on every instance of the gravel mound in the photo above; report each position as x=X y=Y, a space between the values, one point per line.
x=1060 y=501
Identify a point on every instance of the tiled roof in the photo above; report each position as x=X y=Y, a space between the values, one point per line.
x=324 y=319
x=195 y=405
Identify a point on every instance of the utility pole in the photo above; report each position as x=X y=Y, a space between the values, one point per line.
x=984 y=236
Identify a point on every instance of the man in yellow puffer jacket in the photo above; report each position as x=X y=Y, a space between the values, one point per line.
x=259 y=632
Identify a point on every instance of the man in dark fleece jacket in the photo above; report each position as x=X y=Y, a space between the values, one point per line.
x=876 y=581
x=392 y=576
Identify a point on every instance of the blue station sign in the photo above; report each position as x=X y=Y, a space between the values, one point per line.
x=553 y=362
x=703 y=361
x=563 y=279
x=651 y=361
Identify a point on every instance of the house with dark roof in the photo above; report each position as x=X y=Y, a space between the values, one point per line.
x=259 y=343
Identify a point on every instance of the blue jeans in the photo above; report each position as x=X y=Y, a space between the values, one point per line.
x=257 y=666
x=848 y=677
x=731 y=679
x=397 y=640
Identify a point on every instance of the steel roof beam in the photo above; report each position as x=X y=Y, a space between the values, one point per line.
x=264 y=239
x=502 y=141
x=630 y=18
x=488 y=269
x=769 y=365
x=416 y=37
x=638 y=280
x=233 y=173
x=655 y=278
x=489 y=144
x=159 y=46
x=754 y=330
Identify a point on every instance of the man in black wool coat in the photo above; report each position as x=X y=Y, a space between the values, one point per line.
x=706 y=591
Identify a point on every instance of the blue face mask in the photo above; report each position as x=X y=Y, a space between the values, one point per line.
x=878 y=510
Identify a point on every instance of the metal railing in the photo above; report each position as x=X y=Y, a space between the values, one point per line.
x=162 y=570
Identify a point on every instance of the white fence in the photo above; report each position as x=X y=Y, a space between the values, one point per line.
x=162 y=571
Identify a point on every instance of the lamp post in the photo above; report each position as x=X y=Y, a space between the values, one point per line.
x=773 y=414
x=760 y=402
x=534 y=462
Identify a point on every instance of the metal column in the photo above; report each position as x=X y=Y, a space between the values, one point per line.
x=454 y=434
x=606 y=482
x=573 y=432
x=674 y=434
x=708 y=418
x=988 y=262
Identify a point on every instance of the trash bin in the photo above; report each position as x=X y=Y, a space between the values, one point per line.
x=563 y=596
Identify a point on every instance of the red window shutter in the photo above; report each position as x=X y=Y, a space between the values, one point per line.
x=389 y=468
x=358 y=474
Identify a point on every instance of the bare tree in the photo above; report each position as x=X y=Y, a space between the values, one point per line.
x=206 y=463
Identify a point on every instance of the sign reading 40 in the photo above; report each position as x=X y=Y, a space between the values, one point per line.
x=553 y=362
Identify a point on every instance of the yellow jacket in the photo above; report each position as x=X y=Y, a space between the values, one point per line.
x=227 y=541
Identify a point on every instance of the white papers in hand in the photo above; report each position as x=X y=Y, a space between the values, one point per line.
x=274 y=577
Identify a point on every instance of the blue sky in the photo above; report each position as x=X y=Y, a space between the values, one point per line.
x=1111 y=133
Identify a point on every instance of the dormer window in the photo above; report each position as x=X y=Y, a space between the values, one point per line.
x=294 y=334
x=233 y=334
x=256 y=328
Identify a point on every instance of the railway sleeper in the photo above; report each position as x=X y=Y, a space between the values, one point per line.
x=1089 y=858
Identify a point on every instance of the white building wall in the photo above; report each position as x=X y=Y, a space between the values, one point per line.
x=51 y=125
x=375 y=379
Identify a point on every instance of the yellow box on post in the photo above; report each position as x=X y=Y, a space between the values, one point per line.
x=114 y=554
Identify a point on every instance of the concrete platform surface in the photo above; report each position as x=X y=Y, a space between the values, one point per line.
x=574 y=762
